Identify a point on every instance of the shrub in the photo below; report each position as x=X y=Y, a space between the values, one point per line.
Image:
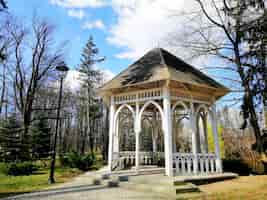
x=19 y=169
x=3 y=168
x=236 y=166
x=76 y=160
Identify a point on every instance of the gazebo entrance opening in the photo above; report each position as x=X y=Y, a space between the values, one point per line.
x=159 y=110
x=150 y=141
x=182 y=141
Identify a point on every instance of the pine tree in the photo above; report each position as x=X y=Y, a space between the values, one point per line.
x=91 y=78
x=10 y=140
x=40 y=139
x=89 y=74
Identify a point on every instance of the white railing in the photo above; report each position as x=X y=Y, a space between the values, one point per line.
x=120 y=160
x=128 y=157
x=150 y=94
x=183 y=163
x=146 y=158
x=206 y=163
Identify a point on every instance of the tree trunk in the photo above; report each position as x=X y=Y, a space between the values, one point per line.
x=2 y=98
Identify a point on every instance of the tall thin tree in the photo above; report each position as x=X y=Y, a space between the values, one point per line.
x=90 y=77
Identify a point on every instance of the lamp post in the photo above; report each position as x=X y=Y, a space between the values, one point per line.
x=62 y=69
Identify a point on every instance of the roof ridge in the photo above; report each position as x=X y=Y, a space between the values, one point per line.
x=163 y=62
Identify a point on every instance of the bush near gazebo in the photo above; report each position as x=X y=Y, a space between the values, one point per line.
x=239 y=157
x=83 y=162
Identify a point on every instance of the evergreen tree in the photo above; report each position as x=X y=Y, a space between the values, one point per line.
x=10 y=140
x=89 y=74
x=91 y=78
x=41 y=139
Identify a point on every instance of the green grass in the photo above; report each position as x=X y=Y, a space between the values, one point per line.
x=11 y=185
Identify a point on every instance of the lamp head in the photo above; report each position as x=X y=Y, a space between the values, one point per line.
x=62 y=69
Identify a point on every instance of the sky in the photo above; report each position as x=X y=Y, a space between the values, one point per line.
x=123 y=30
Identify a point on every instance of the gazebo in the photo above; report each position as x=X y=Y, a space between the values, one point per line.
x=162 y=112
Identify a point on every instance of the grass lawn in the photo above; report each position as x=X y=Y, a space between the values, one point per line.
x=11 y=185
x=244 y=187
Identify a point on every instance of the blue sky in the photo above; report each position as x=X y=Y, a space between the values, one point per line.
x=71 y=29
x=123 y=30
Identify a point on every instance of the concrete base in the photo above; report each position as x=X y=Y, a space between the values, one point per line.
x=204 y=179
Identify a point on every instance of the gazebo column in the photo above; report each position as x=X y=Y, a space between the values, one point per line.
x=197 y=134
x=174 y=137
x=167 y=128
x=194 y=137
x=154 y=140
x=111 y=131
x=116 y=136
x=154 y=133
x=216 y=139
x=205 y=128
x=137 y=130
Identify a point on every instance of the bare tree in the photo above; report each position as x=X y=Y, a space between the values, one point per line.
x=3 y=5
x=36 y=46
x=218 y=32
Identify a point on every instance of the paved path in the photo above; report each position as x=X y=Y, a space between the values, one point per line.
x=81 y=188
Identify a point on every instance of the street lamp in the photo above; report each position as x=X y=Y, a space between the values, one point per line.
x=62 y=70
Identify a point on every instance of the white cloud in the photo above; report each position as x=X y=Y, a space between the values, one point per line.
x=80 y=14
x=145 y=24
x=73 y=78
x=107 y=75
x=79 y=3
x=97 y=24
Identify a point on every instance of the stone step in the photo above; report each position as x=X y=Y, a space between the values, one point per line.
x=152 y=179
x=161 y=189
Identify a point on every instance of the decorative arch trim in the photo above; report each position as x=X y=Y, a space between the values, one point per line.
x=180 y=103
x=119 y=110
x=145 y=106
x=202 y=107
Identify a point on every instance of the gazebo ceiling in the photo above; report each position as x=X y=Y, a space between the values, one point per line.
x=157 y=66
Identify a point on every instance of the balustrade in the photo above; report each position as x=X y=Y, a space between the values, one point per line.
x=138 y=96
x=183 y=163
x=124 y=159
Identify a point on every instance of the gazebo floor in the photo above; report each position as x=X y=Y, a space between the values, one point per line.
x=198 y=179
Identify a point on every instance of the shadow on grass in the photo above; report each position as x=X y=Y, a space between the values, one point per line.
x=39 y=173
x=4 y=195
x=52 y=192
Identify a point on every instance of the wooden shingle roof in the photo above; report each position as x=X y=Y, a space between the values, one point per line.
x=157 y=65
